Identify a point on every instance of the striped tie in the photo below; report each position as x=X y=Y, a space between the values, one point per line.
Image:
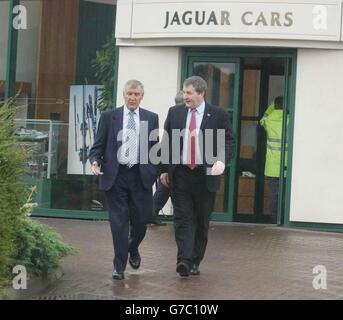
x=131 y=142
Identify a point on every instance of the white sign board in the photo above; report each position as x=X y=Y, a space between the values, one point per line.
x=230 y=19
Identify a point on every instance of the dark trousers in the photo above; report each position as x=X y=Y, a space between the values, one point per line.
x=273 y=197
x=126 y=200
x=160 y=198
x=193 y=204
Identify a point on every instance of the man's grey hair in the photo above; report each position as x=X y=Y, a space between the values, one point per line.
x=133 y=84
x=197 y=82
x=179 y=97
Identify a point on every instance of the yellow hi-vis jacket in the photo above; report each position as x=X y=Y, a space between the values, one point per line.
x=272 y=123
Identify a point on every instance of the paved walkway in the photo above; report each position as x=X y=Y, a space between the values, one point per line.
x=241 y=262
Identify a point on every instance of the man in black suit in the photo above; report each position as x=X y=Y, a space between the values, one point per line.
x=195 y=179
x=120 y=157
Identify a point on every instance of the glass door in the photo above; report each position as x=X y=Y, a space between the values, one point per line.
x=263 y=82
x=222 y=77
x=287 y=136
x=245 y=82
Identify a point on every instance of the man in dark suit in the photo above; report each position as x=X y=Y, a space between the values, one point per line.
x=195 y=179
x=120 y=157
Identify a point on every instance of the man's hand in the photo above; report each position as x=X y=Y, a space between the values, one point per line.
x=164 y=178
x=218 y=168
x=96 y=169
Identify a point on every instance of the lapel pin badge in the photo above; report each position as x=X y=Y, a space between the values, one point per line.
x=208 y=115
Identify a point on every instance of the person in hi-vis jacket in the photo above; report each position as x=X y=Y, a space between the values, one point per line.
x=272 y=123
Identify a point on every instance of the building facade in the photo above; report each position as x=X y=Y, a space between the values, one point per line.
x=248 y=51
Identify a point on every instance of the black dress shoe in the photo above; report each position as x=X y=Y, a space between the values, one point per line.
x=182 y=269
x=117 y=275
x=194 y=271
x=135 y=260
x=158 y=222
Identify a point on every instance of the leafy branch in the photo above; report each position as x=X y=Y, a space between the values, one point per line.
x=103 y=65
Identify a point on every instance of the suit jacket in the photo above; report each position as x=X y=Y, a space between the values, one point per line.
x=106 y=145
x=213 y=118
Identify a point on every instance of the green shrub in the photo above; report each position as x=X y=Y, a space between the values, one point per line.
x=12 y=192
x=23 y=241
x=39 y=248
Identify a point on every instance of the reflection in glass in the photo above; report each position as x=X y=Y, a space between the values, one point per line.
x=220 y=201
x=251 y=96
x=220 y=81
x=55 y=53
x=248 y=146
x=266 y=205
x=246 y=195
x=247 y=167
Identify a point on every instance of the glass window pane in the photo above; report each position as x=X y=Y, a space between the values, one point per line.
x=276 y=86
x=221 y=196
x=27 y=62
x=247 y=168
x=251 y=90
x=220 y=79
x=246 y=195
x=4 y=20
x=248 y=146
x=55 y=55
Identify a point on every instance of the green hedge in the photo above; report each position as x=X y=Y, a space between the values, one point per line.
x=23 y=241
x=12 y=192
x=39 y=248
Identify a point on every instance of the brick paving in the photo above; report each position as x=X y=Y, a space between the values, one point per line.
x=242 y=261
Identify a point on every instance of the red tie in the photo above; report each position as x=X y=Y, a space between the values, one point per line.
x=191 y=141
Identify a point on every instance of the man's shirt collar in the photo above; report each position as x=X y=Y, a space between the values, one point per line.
x=127 y=110
x=200 y=109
